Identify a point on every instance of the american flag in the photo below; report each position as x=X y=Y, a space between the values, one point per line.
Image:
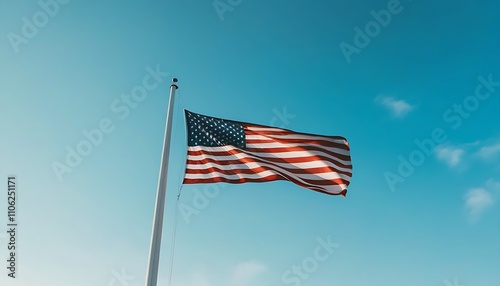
x=221 y=150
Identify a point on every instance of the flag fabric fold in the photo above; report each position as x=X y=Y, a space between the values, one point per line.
x=221 y=150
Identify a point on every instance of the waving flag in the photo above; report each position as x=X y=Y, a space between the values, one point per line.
x=221 y=150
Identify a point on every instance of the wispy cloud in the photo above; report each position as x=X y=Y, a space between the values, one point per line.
x=200 y=280
x=477 y=200
x=246 y=272
x=489 y=152
x=243 y=274
x=398 y=107
x=493 y=185
x=452 y=155
x=196 y=279
x=459 y=154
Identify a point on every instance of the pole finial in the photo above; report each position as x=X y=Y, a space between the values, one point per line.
x=174 y=80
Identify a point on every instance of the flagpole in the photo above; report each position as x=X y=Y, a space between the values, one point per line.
x=154 y=251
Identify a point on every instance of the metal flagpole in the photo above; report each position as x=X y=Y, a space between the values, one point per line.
x=154 y=251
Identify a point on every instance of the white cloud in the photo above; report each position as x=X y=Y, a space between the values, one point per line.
x=450 y=154
x=399 y=108
x=245 y=272
x=487 y=152
x=200 y=280
x=493 y=185
x=477 y=201
x=458 y=154
x=196 y=279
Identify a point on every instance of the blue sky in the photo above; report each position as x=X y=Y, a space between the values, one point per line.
x=416 y=93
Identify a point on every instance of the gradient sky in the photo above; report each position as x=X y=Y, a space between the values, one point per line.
x=432 y=222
